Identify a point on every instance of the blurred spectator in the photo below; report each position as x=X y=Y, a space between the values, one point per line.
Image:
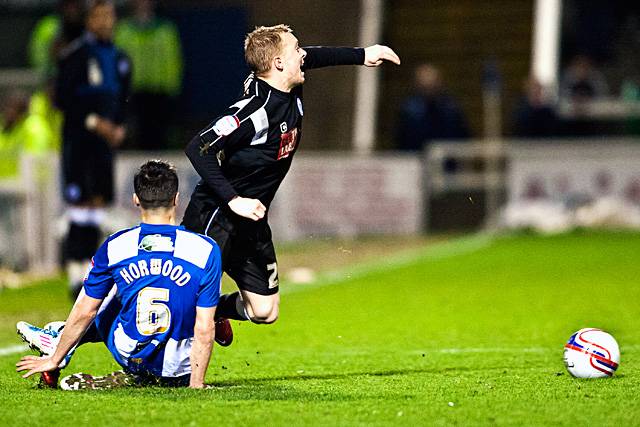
x=92 y=88
x=52 y=33
x=534 y=115
x=42 y=105
x=582 y=81
x=21 y=132
x=430 y=113
x=154 y=47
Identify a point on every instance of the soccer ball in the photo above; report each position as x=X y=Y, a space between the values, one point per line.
x=591 y=353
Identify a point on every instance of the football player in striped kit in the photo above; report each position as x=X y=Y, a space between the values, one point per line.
x=151 y=296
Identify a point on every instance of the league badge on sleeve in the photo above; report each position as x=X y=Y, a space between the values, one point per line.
x=226 y=125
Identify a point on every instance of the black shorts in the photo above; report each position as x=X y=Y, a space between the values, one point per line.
x=87 y=173
x=248 y=255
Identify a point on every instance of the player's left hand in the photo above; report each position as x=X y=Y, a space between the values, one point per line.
x=377 y=54
x=35 y=364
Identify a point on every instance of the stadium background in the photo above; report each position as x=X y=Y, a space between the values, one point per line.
x=431 y=246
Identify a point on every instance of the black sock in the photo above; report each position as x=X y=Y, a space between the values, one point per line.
x=227 y=307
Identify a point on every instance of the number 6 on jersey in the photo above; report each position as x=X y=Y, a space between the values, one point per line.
x=152 y=315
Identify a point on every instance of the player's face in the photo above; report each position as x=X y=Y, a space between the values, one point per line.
x=101 y=20
x=292 y=58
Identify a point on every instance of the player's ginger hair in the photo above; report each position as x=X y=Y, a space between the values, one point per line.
x=262 y=45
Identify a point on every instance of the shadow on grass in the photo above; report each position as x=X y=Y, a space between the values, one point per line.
x=348 y=375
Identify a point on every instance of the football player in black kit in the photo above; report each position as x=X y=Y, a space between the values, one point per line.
x=242 y=157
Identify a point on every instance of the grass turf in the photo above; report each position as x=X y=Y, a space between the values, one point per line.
x=469 y=332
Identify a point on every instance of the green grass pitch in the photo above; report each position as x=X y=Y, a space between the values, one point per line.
x=467 y=332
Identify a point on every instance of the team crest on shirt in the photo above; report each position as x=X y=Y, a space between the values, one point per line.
x=283 y=127
x=156 y=243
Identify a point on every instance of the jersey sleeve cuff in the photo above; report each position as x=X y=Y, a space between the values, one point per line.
x=207 y=304
x=228 y=196
x=95 y=293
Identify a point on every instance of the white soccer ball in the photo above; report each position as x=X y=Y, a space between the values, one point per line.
x=591 y=353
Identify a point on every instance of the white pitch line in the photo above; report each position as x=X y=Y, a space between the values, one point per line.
x=444 y=250
x=13 y=349
x=463 y=350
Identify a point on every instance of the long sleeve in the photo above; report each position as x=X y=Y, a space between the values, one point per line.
x=230 y=131
x=206 y=164
x=318 y=56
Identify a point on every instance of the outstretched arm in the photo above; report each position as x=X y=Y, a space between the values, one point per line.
x=81 y=316
x=372 y=56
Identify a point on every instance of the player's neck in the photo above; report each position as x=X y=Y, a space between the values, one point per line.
x=158 y=216
x=276 y=83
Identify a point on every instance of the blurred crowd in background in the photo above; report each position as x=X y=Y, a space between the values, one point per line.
x=32 y=123
x=599 y=36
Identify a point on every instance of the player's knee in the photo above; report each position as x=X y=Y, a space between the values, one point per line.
x=265 y=314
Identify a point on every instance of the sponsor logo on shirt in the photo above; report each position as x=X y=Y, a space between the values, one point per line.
x=156 y=243
x=288 y=143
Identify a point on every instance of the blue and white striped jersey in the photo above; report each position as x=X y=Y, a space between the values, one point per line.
x=161 y=273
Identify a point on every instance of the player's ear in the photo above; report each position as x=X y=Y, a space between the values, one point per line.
x=175 y=199
x=278 y=63
x=136 y=200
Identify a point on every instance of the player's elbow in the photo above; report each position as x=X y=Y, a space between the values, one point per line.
x=86 y=316
x=204 y=334
x=193 y=148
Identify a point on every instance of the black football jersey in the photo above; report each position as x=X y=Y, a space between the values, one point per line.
x=94 y=77
x=247 y=150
